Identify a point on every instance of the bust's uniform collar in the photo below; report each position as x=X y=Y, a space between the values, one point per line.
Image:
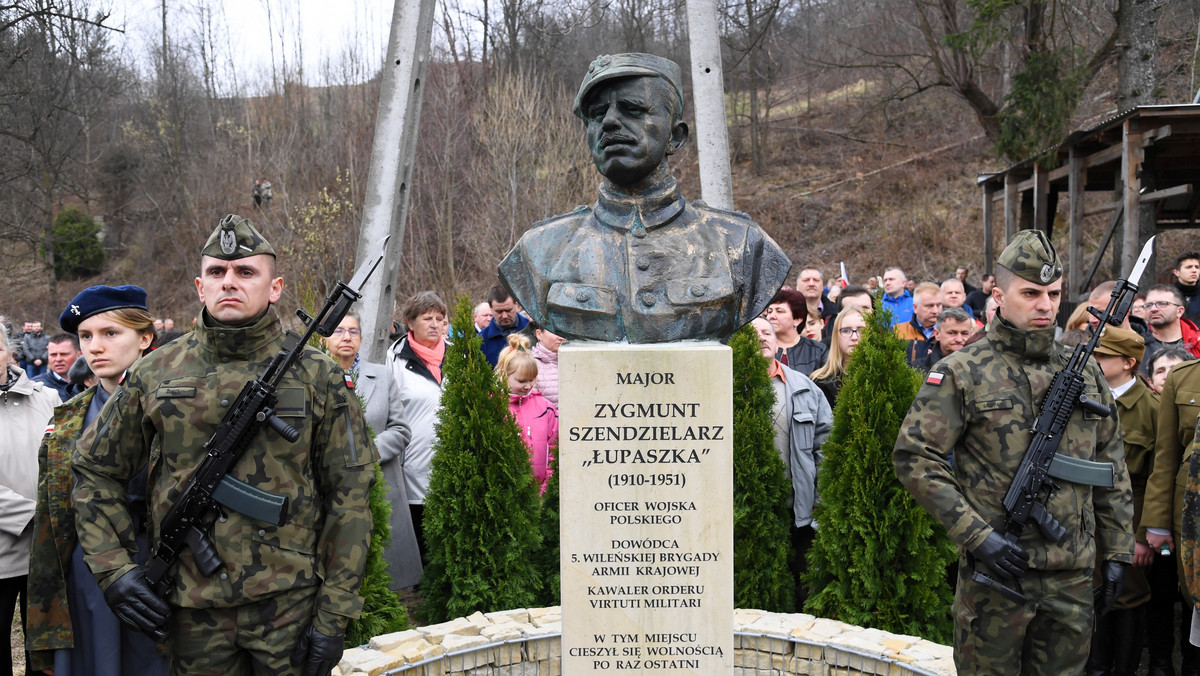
x=637 y=212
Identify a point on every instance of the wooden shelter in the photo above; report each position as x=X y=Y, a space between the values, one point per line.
x=1145 y=163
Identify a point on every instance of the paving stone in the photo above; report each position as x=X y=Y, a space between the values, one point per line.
x=895 y=644
x=386 y=642
x=518 y=615
x=434 y=633
x=743 y=617
x=351 y=657
x=500 y=632
x=764 y=643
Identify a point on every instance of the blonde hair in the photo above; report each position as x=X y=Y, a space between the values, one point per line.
x=1079 y=317
x=835 y=363
x=516 y=359
x=137 y=319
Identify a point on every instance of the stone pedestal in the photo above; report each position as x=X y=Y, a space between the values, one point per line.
x=646 y=477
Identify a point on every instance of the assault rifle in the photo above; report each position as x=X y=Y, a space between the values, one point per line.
x=1034 y=481
x=187 y=522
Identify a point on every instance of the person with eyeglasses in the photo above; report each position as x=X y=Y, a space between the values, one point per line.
x=847 y=331
x=1164 y=313
x=383 y=407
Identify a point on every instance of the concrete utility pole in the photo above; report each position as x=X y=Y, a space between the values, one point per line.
x=385 y=209
x=708 y=92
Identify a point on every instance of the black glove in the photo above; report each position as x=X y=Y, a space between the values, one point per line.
x=135 y=604
x=1111 y=584
x=317 y=653
x=1007 y=560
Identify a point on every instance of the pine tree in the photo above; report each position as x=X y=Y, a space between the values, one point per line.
x=481 y=513
x=879 y=559
x=761 y=516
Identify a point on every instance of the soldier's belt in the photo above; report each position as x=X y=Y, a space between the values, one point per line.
x=255 y=503
x=1080 y=471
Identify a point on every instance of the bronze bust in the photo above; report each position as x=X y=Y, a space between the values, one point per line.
x=643 y=264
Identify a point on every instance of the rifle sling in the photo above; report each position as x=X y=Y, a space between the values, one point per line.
x=1080 y=471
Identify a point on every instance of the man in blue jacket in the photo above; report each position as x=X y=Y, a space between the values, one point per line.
x=505 y=320
x=896 y=298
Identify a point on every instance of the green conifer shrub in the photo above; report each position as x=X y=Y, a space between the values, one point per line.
x=481 y=513
x=382 y=612
x=761 y=516
x=879 y=559
x=549 y=566
x=77 y=249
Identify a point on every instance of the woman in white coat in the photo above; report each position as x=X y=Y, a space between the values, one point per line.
x=416 y=364
x=25 y=408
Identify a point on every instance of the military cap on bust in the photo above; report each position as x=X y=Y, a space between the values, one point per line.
x=234 y=238
x=612 y=66
x=1122 y=343
x=1031 y=257
x=96 y=299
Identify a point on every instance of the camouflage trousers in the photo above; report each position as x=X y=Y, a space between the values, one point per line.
x=256 y=638
x=1048 y=634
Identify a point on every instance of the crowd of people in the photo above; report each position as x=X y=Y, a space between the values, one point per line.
x=64 y=583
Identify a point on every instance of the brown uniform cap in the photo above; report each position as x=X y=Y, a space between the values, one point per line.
x=234 y=238
x=1122 y=343
x=1031 y=257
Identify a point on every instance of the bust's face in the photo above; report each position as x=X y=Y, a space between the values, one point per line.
x=629 y=127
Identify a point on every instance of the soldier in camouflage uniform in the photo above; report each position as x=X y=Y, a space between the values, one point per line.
x=284 y=594
x=977 y=406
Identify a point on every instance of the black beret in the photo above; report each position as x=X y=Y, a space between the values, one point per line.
x=96 y=299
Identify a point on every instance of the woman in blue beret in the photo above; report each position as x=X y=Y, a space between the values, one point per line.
x=71 y=629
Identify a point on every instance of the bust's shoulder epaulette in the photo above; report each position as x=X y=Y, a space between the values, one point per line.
x=580 y=211
x=727 y=213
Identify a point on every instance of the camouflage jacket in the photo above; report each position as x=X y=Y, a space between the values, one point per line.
x=169 y=405
x=49 y=618
x=979 y=405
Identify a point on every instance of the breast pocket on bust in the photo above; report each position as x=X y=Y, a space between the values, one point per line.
x=583 y=309
x=700 y=291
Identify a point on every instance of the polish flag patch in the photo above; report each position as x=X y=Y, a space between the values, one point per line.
x=934 y=378
x=349 y=381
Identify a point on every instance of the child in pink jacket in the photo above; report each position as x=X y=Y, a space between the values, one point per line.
x=537 y=418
